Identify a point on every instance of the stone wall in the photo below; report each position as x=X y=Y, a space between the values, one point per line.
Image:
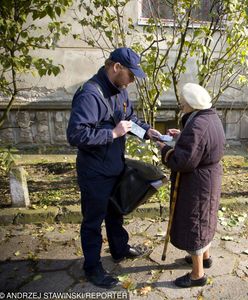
x=44 y=123
x=41 y=124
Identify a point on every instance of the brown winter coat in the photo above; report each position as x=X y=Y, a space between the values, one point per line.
x=196 y=156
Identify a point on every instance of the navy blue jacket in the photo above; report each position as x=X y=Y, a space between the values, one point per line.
x=90 y=126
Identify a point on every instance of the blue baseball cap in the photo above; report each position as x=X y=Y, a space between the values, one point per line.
x=129 y=59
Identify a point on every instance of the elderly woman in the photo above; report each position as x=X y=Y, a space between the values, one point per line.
x=196 y=156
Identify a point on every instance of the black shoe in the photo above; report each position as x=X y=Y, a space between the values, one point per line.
x=185 y=281
x=101 y=278
x=132 y=253
x=207 y=263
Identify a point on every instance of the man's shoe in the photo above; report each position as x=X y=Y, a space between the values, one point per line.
x=186 y=282
x=101 y=278
x=207 y=263
x=132 y=253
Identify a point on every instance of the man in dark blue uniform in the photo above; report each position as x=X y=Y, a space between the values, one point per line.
x=100 y=118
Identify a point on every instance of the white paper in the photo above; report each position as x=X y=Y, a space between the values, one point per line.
x=157 y=184
x=137 y=130
x=165 y=138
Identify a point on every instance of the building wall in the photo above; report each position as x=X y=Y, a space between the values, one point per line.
x=40 y=115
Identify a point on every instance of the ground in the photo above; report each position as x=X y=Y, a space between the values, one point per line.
x=46 y=257
x=52 y=181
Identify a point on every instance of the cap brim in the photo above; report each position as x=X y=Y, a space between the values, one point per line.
x=138 y=72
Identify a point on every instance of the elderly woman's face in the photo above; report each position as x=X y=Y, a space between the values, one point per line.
x=184 y=106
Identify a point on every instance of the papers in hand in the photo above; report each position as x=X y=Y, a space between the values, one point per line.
x=137 y=130
x=165 y=138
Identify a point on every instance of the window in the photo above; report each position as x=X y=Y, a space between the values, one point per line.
x=163 y=9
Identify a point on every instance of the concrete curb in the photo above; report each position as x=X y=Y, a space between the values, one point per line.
x=72 y=213
x=67 y=214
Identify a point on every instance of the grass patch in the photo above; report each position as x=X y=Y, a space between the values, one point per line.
x=52 y=180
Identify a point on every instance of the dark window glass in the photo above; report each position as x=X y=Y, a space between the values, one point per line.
x=163 y=9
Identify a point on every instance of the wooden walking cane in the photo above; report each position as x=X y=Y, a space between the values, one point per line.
x=172 y=209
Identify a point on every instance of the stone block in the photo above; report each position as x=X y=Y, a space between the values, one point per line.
x=233 y=124
x=18 y=187
x=7 y=215
x=70 y=214
x=226 y=287
x=14 y=274
x=244 y=127
x=59 y=124
x=137 y=226
x=7 y=135
x=49 y=282
x=35 y=216
x=151 y=210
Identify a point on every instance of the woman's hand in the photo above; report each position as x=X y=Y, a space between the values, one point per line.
x=160 y=145
x=173 y=132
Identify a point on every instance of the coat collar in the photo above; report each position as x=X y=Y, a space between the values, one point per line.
x=108 y=88
x=209 y=111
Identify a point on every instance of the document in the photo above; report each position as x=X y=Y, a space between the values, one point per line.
x=137 y=130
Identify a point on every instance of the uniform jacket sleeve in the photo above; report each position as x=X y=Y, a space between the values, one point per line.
x=83 y=127
x=189 y=148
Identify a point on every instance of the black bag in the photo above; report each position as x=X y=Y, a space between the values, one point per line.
x=134 y=187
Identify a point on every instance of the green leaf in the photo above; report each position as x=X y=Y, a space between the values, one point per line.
x=49 y=11
x=37 y=277
x=58 y=10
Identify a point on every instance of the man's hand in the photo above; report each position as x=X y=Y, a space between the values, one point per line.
x=121 y=128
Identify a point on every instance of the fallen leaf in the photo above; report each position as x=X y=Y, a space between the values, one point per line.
x=223 y=223
x=123 y=277
x=50 y=228
x=147 y=243
x=145 y=290
x=245 y=252
x=159 y=234
x=32 y=256
x=17 y=253
x=226 y=238
x=241 y=219
x=79 y=252
x=129 y=284
x=33 y=206
x=37 y=277
x=153 y=272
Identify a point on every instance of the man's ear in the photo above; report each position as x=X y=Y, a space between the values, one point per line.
x=117 y=67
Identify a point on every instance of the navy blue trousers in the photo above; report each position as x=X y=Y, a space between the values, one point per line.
x=96 y=208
